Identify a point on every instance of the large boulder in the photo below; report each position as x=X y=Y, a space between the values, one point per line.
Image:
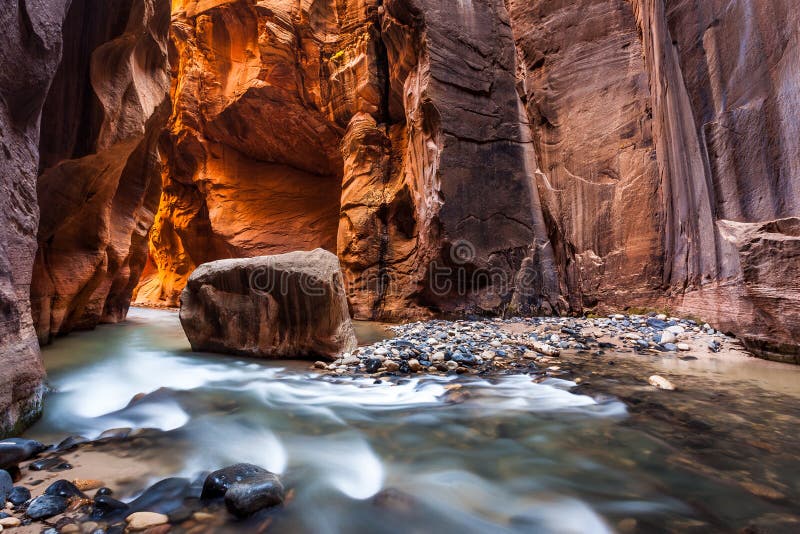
x=285 y=306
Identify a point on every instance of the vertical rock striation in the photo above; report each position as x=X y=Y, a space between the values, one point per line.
x=29 y=56
x=100 y=169
x=669 y=155
x=488 y=156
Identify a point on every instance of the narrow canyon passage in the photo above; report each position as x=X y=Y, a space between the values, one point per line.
x=567 y=233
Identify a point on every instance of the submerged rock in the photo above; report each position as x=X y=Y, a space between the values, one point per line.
x=243 y=499
x=163 y=497
x=218 y=482
x=107 y=509
x=661 y=383
x=46 y=506
x=284 y=306
x=246 y=488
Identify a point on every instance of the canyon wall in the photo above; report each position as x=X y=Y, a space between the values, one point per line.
x=99 y=177
x=494 y=157
x=29 y=56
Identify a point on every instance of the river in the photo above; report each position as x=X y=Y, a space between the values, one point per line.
x=407 y=456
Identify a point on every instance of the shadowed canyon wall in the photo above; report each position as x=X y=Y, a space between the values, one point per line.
x=100 y=170
x=29 y=56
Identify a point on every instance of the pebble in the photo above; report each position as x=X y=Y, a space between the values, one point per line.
x=139 y=521
x=70 y=528
x=683 y=346
x=414 y=365
x=19 y=495
x=86 y=485
x=10 y=522
x=661 y=383
x=392 y=366
x=46 y=506
x=667 y=337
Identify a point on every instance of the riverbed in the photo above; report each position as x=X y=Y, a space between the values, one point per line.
x=412 y=454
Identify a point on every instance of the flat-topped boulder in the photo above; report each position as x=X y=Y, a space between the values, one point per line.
x=281 y=307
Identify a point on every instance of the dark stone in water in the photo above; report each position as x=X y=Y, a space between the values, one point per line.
x=16 y=450
x=114 y=434
x=46 y=506
x=3 y=515
x=104 y=491
x=19 y=495
x=218 y=482
x=46 y=463
x=604 y=345
x=372 y=365
x=163 y=497
x=64 y=488
x=108 y=509
x=185 y=512
x=71 y=443
x=243 y=499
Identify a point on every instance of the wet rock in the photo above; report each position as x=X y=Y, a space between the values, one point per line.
x=106 y=508
x=64 y=488
x=71 y=443
x=372 y=365
x=218 y=482
x=16 y=450
x=139 y=521
x=163 y=497
x=661 y=383
x=114 y=434
x=243 y=499
x=46 y=464
x=104 y=491
x=19 y=495
x=46 y=506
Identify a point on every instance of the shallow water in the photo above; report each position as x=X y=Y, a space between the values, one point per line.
x=507 y=455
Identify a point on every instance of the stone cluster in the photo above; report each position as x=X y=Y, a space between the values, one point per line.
x=519 y=344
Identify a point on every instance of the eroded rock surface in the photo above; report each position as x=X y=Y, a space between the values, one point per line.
x=29 y=56
x=100 y=169
x=284 y=306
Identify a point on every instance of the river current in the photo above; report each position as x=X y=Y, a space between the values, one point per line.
x=415 y=455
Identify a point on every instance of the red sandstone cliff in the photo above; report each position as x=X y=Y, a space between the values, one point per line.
x=580 y=154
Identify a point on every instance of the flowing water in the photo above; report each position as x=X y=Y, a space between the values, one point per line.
x=415 y=455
